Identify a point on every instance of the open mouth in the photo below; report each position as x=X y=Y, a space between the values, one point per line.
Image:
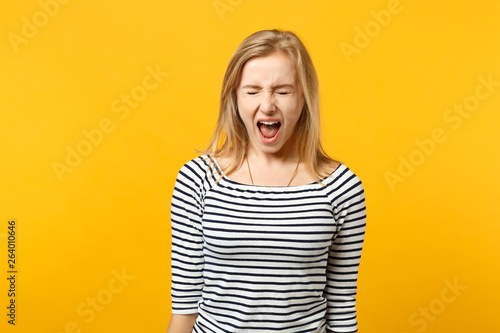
x=269 y=129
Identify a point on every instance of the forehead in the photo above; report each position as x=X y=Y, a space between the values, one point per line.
x=274 y=68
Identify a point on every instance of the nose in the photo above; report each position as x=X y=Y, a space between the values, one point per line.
x=267 y=103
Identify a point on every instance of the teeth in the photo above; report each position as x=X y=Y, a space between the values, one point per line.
x=269 y=122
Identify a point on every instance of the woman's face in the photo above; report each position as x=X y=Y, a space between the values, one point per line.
x=270 y=102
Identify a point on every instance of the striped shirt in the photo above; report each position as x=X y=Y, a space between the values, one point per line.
x=251 y=258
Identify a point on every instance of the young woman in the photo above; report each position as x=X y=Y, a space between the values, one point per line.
x=267 y=230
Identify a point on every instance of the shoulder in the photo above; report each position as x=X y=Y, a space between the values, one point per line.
x=199 y=170
x=197 y=164
x=342 y=174
x=343 y=183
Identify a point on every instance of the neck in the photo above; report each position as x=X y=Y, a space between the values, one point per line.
x=272 y=169
x=289 y=182
x=280 y=158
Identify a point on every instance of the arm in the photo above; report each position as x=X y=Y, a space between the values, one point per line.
x=181 y=323
x=187 y=248
x=345 y=254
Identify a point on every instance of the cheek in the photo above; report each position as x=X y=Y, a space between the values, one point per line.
x=245 y=117
x=245 y=111
x=299 y=109
x=295 y=109
x=240 y=109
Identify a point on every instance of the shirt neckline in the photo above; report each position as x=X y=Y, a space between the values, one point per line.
x=229 y=180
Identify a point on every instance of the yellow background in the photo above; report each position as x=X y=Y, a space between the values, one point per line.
x=438 y=224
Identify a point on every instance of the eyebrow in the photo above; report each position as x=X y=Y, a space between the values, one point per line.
x=279 y=86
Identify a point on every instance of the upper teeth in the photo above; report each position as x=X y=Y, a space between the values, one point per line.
x=269 y=122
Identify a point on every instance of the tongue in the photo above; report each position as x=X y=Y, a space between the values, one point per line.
x=269 y=131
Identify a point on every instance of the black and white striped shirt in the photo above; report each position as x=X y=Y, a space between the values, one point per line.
x=252 y=258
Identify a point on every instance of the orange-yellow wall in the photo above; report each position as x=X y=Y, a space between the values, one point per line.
x=393 y=77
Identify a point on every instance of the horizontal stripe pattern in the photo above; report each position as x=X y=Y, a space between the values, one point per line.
x=266 y=259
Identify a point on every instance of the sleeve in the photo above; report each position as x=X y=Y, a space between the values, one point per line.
x=187 y=241
x=345 y=255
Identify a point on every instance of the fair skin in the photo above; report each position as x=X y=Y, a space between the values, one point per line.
x=181 y=323
x=268 y=92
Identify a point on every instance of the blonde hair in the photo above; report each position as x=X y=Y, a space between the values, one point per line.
x=230 y=139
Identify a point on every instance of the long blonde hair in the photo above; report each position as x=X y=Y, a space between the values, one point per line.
x=230 y=139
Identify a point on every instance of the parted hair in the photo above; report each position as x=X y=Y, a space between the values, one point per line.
x=230 y=139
